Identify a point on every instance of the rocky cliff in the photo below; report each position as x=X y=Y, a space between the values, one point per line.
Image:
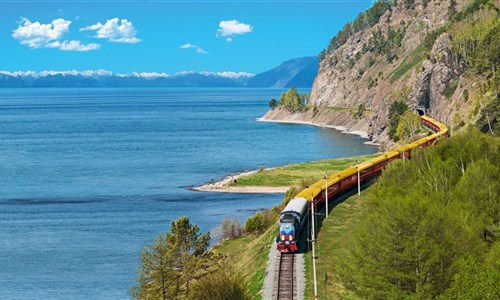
x=406 y=55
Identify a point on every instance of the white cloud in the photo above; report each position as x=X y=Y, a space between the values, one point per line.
x=115 y=30
x=187 y=46
x=201 y=51
x=73 y=45
x=191 y=46
x=37 y=35
x=231 y=28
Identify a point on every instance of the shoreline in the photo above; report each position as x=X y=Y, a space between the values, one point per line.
x=222 y=186
x=340 y=128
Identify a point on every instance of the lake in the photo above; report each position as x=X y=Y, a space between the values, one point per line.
x=88 y=177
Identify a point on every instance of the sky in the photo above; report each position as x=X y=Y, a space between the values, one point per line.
x=166 y=36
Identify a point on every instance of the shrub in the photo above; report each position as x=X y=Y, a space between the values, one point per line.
x=255 y=224
x=223 y=284
x=228 y=229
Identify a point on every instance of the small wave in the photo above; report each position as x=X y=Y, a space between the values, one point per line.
x=27 y=202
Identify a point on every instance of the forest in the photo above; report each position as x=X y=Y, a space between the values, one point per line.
x=432 y=226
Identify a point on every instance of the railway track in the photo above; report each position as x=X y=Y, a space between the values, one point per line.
x=285 y=287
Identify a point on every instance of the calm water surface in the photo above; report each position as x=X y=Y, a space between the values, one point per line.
x=88 y=177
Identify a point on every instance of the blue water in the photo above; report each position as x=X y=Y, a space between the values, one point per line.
x=88 y=177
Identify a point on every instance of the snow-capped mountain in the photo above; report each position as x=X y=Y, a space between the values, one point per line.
x=299 y=72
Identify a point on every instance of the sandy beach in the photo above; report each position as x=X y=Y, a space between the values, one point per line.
x=223 y=186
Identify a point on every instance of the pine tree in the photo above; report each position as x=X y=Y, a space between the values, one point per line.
x=172 y=263
x=189 y=247
x=158 y=278
x=273 y=103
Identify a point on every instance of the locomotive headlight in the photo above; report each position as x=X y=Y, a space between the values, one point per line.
x=290 y=237
x=282 y=237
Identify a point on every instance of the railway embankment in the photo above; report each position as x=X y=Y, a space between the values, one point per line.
x=249 y=255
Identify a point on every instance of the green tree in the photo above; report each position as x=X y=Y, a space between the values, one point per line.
x=423 y=217
x=477 y=42
x=293 y=101
x=273 y=103
x=400 y=248
x=408 y=125
x=360 y=111
x=157 y=276
x=190 y=248
x=255 y=224
x=171 y=264
x=474 y=280
x=396 y=110
x=364 y=20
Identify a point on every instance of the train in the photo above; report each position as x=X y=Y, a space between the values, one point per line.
x=293 y=216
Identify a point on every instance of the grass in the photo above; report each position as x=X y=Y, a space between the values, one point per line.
x=249 y=255
x=413 y=59
x=348 y=108
x=450 y=89
x=333 y=240
x=294 y=174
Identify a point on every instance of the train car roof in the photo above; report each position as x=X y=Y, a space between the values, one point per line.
x=378 y=159
x=365 y=165
x=297 y=204
x=309 y=192
x=318 y=184
x=403 y=148
x=441 y=126
x=392 y=153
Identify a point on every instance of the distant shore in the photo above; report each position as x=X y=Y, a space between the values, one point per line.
x=282 y=116
x=224 y=186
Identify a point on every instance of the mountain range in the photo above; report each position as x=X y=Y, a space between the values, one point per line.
x=299 y=72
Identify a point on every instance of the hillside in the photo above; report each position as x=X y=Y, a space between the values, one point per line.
x=441 y=56
x=419 y=237
x=298 y=72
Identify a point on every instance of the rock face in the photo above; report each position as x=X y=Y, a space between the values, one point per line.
x=407 y=70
